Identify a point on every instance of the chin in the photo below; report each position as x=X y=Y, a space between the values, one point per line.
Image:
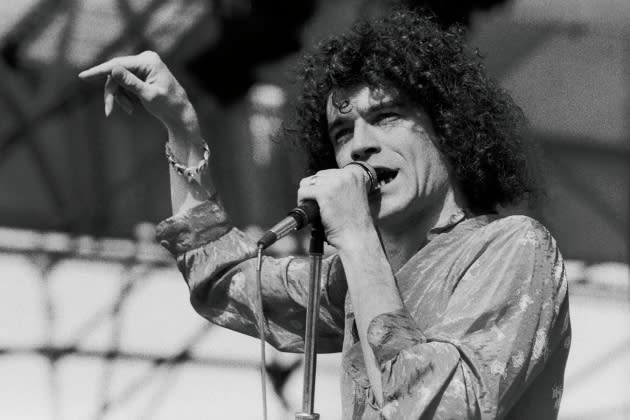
x=386 y=214
x=396 y=210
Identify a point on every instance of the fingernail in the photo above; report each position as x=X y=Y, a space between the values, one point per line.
x=109 y=103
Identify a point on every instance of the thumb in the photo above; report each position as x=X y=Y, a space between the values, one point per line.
x=129 y=81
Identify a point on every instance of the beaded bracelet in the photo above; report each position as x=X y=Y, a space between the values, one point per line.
x=188 y=171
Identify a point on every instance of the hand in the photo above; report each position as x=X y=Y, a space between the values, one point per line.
x=343 y=204
x=145 y=77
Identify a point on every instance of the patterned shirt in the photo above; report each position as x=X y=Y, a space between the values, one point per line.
x=485 y=332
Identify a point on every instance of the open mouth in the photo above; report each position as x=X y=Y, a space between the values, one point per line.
x=385 y=175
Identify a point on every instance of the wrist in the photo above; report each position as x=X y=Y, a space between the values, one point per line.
x=359 y=241
x=189 y=171
x=184 y=127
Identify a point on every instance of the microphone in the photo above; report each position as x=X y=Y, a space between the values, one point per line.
x=308 y=211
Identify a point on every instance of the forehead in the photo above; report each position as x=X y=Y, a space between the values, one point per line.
x=354 y=100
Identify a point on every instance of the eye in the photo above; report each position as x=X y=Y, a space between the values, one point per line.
x=341 y=135
x=386 y=117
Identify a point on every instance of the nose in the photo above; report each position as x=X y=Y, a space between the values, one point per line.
x=364 y=141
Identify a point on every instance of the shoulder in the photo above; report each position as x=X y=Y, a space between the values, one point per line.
x=525 y=245
x=517 y=251
x=495 y=237
x=508 y=239
x=519 y=230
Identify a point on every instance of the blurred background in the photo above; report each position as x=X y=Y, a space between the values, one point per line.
x=94 y=318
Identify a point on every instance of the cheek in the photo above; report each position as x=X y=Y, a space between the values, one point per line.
x=431 y=170
x=339 y=158
x=438 y=177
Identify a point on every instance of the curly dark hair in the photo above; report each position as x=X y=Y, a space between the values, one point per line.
x=408 y=54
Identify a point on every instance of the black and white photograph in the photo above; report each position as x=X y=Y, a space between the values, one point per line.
x=315 y=209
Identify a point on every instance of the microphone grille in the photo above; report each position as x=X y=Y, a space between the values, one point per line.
x=371 y=174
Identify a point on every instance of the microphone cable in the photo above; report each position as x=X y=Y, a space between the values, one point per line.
x=299 y=217
x=261 y=331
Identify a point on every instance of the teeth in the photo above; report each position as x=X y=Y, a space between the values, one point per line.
x=389 y=177
x=385 y=181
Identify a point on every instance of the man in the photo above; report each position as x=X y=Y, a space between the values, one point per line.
x=442 y=308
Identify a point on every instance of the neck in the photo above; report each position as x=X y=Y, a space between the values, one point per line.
x=402 y=241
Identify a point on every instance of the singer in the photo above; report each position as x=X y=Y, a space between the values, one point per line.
x=443 y=308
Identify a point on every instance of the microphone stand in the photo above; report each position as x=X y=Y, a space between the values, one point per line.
x=316 y=251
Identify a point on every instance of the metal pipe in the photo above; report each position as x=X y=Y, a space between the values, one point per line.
x=312 y=315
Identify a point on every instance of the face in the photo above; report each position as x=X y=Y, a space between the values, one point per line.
x=398 y=141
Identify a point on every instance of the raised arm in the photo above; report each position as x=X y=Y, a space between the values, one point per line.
x=146 y=79
x=215 y=258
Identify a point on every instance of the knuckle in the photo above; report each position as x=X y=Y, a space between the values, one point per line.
x=151 y=55
x=355 y=170
x=119 y=75
x=117 y=71
x=160 y=91
x=150 y=95
x=301 y=196
x=345 y=176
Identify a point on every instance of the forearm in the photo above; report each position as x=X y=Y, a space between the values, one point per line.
x=373 y=292
x=370 y=279
x=145 y=77
x=186 y=144
x=217 y=261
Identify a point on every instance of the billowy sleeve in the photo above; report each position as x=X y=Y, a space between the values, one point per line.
x=507 y=316
x=218 y=263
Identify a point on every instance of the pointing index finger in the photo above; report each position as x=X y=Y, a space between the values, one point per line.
x=104 y=69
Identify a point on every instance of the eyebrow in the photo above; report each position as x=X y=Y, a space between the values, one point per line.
x=341 y=118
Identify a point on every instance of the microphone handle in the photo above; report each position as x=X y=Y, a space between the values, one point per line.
x=305 y=214
x=308 y=212
x=302 y=215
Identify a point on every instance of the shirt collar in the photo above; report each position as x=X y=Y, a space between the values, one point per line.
x=446 y=223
